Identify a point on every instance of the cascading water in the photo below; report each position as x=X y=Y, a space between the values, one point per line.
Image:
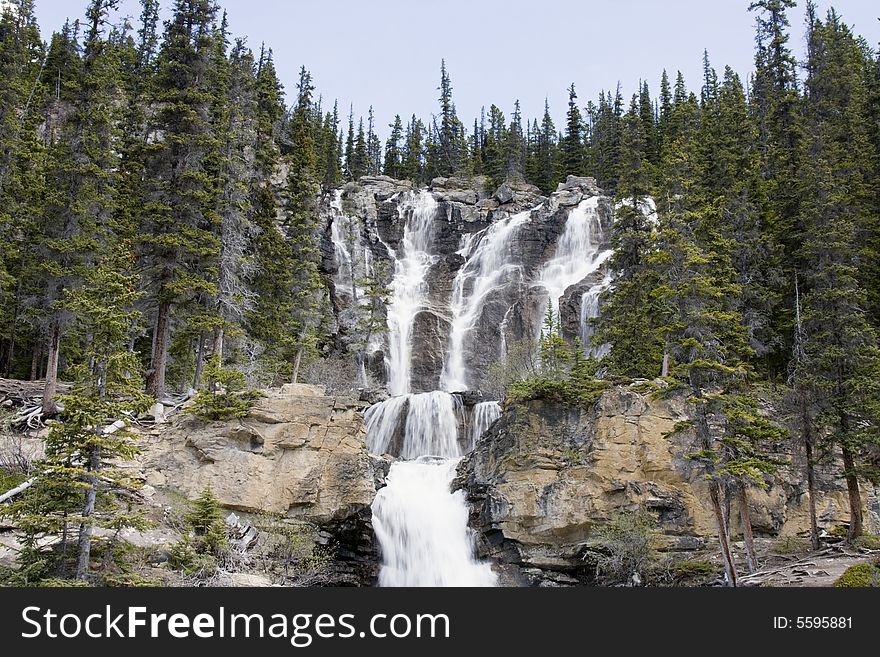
x=590 y=311
x=409 y=288
x=490 y=266
x=484 y=416
x=421 y=525
x=422 y=528
x=578 y=253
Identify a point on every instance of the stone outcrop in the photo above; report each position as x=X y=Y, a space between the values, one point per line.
x=299 y=453
x=545 y=476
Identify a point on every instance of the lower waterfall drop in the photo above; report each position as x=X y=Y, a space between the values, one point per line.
x=421 y=525
x=422 y=528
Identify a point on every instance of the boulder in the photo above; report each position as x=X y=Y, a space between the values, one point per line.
x=298 y=453
x=504 y=194
x=546 y=475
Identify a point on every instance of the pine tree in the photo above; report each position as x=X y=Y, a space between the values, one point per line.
x=705 y=340
x=84 y=450
x=413 y=152
x=450 y=147
x=238 y=135
x=493 y=155
x=629 y=311
x=841 y=359
x=393 y=165
x=571 y=148
x=80 y=187
x=301 y=224
x=22 y=63
x=514 y=149
x=178 y=245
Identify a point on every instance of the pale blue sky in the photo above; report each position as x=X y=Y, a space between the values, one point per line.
x=387 y=52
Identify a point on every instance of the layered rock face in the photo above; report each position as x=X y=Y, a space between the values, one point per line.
x=545 y=476
x=299 y=453
x=513 y=232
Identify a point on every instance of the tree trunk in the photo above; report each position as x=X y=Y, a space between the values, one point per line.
x=219 y=337
x=727 y=556
x=159 y=358
x=200 y=362
x=811 y=492
x=855 y=496
x=50 y=408
x=296 y=363
x=746 y=522
x=298 y=360
x=85 y=527
x=35 y=361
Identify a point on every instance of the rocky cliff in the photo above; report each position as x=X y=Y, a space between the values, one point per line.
x=299 y=453
x=364 y=228
x=545 y=476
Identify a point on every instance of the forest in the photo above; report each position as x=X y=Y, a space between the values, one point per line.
x=160 y=229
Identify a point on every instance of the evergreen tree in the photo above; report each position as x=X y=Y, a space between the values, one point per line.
x=629 y=311
x=413 y=153
x=571 y=148
x=393 y=165
x=301 y=224
x=449 y=144
x=841 y=359
x=80 y=188
x=178 y=245
x=514 y=147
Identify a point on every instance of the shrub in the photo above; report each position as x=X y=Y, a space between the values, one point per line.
x=628 y=544
x=694 y=571
x=792 y=545
x=867 y=542
x=863 y=575
x=205 y=541
x=225 y=397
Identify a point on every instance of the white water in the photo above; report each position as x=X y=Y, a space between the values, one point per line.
x=578 y=252
x=589 y=312
x=346 y=245
x=408 y=288
x=484 y=416
x=490 y=266
x=422 y=528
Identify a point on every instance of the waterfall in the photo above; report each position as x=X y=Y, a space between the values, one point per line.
x=344 y=235
x=422 y=528
x=489 y=267
x=420 y=524
x=427 y=422
x=590 y=311
x=578 y=252
x=484 y=416
x=408 y=287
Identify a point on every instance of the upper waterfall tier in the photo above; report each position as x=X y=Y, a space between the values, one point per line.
x=468 y=273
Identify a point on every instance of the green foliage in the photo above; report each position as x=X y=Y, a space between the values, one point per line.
x=791 y=545
x=697 y=572
x=225 y=396
x=205 y=521
x=205 y=542
x=628 y=544
x=863 y=575
x=550 y=369
x=867 y=542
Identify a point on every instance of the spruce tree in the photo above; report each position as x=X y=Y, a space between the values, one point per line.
x=571 y=148
x=301 y=225
x=393 y=165
x=179 y=248
x=841 y=359
x=80 y=188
